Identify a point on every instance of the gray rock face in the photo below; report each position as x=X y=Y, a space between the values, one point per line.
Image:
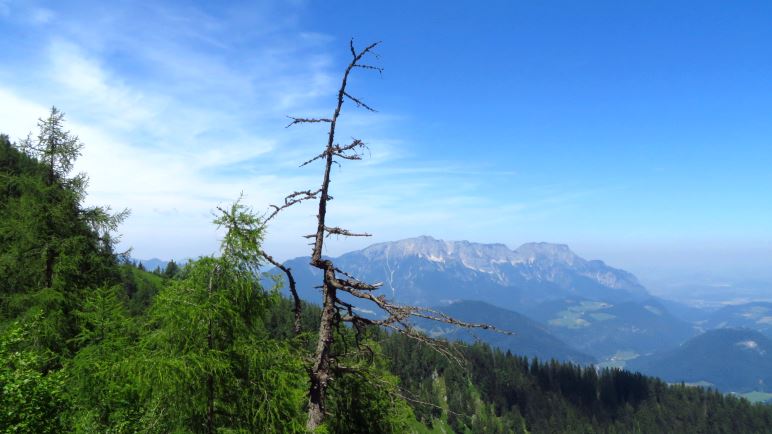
x=476 y=256
x=496 y=263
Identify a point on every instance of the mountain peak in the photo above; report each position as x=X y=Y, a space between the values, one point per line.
x=556 y=253
x=473 y=255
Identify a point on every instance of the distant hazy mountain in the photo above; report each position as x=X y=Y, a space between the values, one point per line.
x=528 y=337
x=427 y=271
x=756 y=316
x=733 y=360
x=599 y=309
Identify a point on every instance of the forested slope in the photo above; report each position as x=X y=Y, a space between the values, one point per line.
x=496 y=392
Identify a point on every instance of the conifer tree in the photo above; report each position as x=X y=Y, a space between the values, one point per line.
x=171 y=269
x=210 y=365
x=53 y=249
x=55 y=147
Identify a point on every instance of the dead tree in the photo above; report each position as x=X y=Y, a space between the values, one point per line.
x=325 y=365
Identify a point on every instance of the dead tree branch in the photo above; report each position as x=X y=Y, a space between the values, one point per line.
x=296 y=308
x=345 y=232
x=359 y=103
x=340 y=151
x=306 y=121
x=335 y=311
x=375 y=68
x=292 y=199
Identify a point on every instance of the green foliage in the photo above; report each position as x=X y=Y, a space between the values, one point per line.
x=499 y=392
x=368 y=398
x=52 y=249
x=368 y=402
x=207 y=362
x=139 y=287
x=171 y=270
x=102 y=397
x=30 y=400
x=56 y=148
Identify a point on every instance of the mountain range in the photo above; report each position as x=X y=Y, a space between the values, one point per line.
x=427 y=271
x=558 y=304
x=601 y=310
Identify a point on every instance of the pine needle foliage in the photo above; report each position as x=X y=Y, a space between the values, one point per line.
x=208 y=363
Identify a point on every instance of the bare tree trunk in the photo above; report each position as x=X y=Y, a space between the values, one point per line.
x=297 y=307
x=334 y=310
x=320 y=371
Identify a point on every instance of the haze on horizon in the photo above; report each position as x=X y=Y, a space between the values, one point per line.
x=638 y=134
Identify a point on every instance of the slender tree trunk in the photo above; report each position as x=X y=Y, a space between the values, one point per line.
x=320 y=371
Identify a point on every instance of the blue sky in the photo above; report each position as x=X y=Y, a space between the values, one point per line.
x=635 y=132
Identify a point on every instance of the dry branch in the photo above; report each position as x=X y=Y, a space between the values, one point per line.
x=359 y=103
x=292 y=199
x=318 y=157
x=296 y=309
x=375 y=68
x=345 y=232
x=306 y=121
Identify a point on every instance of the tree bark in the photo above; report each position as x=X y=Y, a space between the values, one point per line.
x=320 y=371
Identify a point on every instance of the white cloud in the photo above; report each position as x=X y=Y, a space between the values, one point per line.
x=89 y=87
x=18 y=116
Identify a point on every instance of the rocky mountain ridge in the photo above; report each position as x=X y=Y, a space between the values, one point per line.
x=535 y=262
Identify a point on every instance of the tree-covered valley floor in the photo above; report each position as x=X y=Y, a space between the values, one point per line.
x=89 y=342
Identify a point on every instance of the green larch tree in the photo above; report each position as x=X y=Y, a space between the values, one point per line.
x=208 y=363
